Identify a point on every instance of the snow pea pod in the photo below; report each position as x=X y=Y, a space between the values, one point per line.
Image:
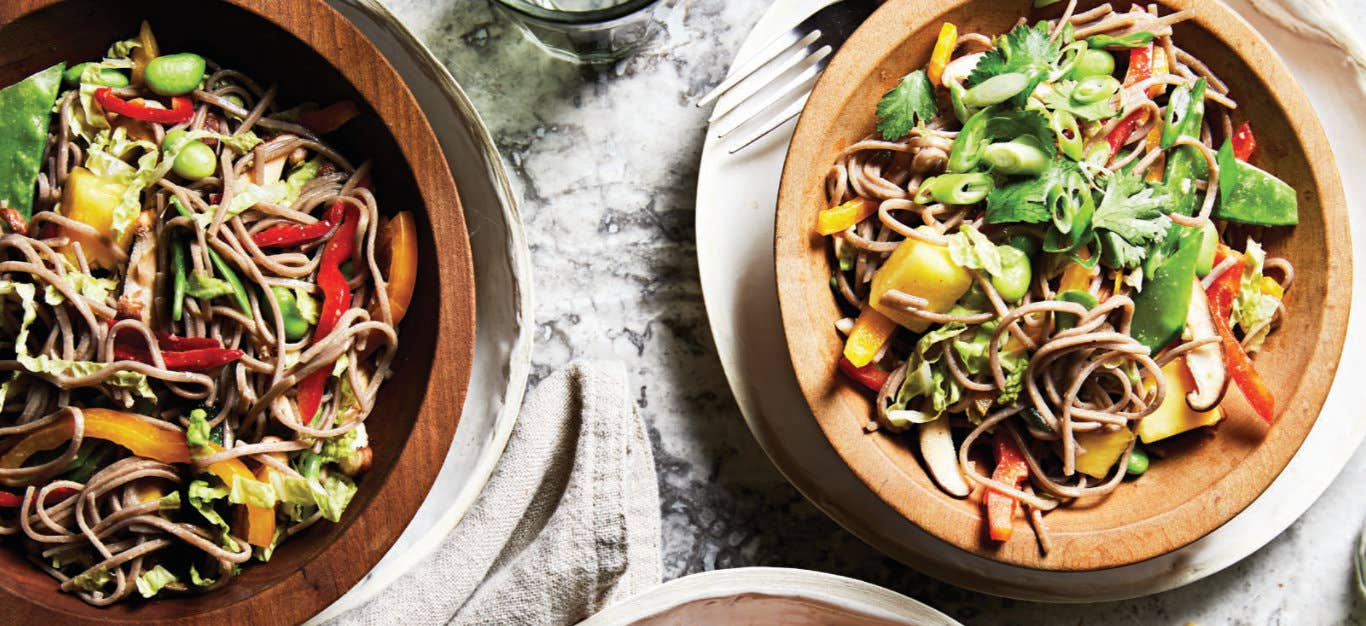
x=25 y=110
x=1185 y=164
x=1185 y=111
x=1250 y=195
x=1160 y=309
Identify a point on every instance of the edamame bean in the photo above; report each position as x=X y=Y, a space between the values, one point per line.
x=172 y=138
x=1016 y=274
x=195 y=161
x=996 y=89
x=106 y=77
x=174 y=74
x=1094 y=62
x=1209 y=241
x=1095 y=88
x=1015 y=157
x=1138 y=462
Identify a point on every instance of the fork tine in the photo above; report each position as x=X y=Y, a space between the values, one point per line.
x=818 y=61
x=793 y=110
x=780 y=65
x=774 y=49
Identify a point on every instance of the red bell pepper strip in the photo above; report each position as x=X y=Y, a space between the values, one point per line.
x=183 y=360
x=1221 y=295
x=167 y=341
x=336 y=299
x=12 y=501
x=1244 y=142
x=870 y=375
x=286 y=235
x=330 y=117
x=181 y=108
x=1012 y=470
x=1140 y=69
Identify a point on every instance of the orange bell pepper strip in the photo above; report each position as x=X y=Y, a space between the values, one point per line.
x=1012 y=470
x=396 y=250
x=143 y=436
x=1221 y=295
x=871 y=331
x=943 y=50
x=839 y=218
x=256 y=524
x=1160 y=66
x=1078 y=277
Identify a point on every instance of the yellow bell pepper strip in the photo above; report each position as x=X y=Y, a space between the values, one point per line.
x=1077 y=277
x=1012 y=470
x=871 y=331
x=1272 y=288
x=1157 y=170
x=143 y=436
x=256 y=524
x=396 y=252
x=943 y=51
x=145 y=52
x=839 y=218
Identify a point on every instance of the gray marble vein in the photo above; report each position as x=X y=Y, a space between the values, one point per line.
x=606 y=165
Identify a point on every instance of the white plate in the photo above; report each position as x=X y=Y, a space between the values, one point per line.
x=503 y=307
x=735 y=212
x=769 y=595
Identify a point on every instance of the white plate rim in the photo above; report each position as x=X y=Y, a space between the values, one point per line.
x=848 y=594
x=929 y=555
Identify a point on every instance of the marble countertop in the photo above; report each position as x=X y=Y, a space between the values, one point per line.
x=605 y=162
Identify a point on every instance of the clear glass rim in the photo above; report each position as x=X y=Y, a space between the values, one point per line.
x=594 y=16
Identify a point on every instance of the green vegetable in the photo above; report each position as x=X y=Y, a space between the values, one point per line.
x=1249 y=195
x=202 y=497
x=1064 y=126
x=1013 y=281
x=1160 y=309
x=1133 y=211
x=1138 y=462
x=1093 y=62
x=988 y=125
x=198 y=434
x=909 y=103
x=1131 y=40
x=239 y=293
x=1094 y=89
x=1064 y=321
x=1062 y=96
x=25 y=110
x=1056 y=193
x=295 y=325
x=1025 y=50
x=207 y=287
x=251 y=492
x=1209 y=243
x=1015 y=158
x=996 y=89
x=969 y=188
x=181 y=266
x=174 y=74
x=153 y=580
x=93 y=579
x=971 y=249
x=1253 y=308
x=105 y=76
x=971 y=140
x=308 y=464
x=195 y=161
x=956 y=93
x=92 y=455
x=1185 y=112
x=1039 y=4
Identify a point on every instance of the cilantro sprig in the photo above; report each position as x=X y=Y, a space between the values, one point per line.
x=1024 y=49
x=909 y=103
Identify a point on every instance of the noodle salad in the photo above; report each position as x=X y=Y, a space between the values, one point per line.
x=199 y=301
x=1049 y=256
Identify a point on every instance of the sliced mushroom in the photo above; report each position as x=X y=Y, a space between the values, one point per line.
x=139 y=285
x=1206 y=363
x=936 y=445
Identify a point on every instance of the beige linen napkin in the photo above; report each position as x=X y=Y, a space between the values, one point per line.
x=568 y=523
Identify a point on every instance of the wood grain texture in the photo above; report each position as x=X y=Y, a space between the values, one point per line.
x=313 y=54
x=1211 y=475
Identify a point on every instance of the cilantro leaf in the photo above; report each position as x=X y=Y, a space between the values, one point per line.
x=1132 y=210
x=1013 y=125
x=1024 y=49
x=910 y=102
x=1059 y=98
x=1028 y=200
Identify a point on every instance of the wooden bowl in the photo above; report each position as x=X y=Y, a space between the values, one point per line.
x=1213 y=475
x=313 y=54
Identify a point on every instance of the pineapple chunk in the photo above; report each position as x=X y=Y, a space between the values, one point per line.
x=920 y=269
x=1103 y=449
x=1175 y=416
x=91 y=200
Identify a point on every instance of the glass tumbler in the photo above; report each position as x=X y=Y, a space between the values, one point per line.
x=584 y=31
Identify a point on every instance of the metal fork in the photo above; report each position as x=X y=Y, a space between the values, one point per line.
x=792 y=61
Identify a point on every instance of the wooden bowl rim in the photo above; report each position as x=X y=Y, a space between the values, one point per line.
x=369 y=533
x=929 y=508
